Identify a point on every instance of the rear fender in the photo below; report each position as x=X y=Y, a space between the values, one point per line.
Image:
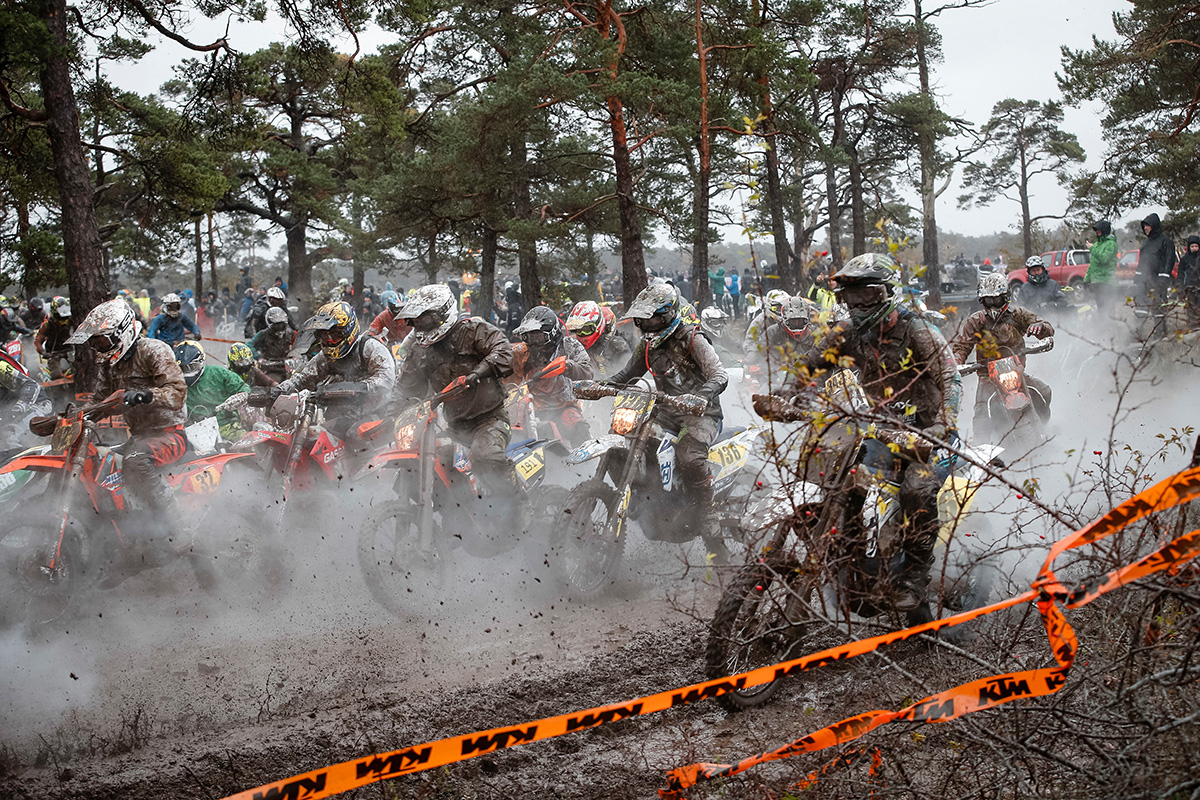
x=255 y=438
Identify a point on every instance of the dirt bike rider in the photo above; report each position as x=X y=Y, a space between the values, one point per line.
x=595 y=327
x=256 y=320
x=790 y=339
x=154 y=399
x=715 y=323
x=447 y=350
x=51 y=339
x=682 y=361
x=172 y=326
x=273 y=344
x=388 y=326
x=10 y=323
x=243 y=364
x=543 y=339
x=209 y=385
x=346 y=356
x=757 y=330
x=1041 y=291
x=901 y=359
x=998 y=329
x=21 y=399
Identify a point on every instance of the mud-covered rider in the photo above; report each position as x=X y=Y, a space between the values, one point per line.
x=257 y=321
x=682 y=361
x=595 y=326
x=21 y=399
x=543 y=339
x=905 y=365
x=767 y=315
x=51 y=338
x=448 y=352
x=273 y=344
x=791 y=339
x=1041 y=291
x=347 y=356
x=172 y=325
x=243 y=363
x=999 y=329
x=154 y=397
x=388 y=326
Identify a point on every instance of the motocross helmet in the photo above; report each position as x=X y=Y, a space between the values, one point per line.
x=586 y=321
x=774 y=304
x=655 y=312
x=8 y=376
x=60 y=307
x=797 y=316
x=867 y=285
x=171 y=304
x=391 y=301
x=190 y=358
x=110 y=328
x=431 y=309
x=336 y=325
x=241 y=358
x=687 y=313
x=277 y=318
x=1035 y=263
x=993 y=295
x=35 y=303
x=541 y=329
x=713 y=321
x=276 y=297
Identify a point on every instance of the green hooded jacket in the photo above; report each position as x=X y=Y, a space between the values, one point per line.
x=1102 y=267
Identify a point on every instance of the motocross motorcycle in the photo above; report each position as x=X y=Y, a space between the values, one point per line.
x=638 y=457
x=298 y=447
x=829 y=540
x=404 y=545
x=1010 y=408
x=55 y=549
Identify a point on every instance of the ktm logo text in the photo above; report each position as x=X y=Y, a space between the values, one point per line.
x=297 y=789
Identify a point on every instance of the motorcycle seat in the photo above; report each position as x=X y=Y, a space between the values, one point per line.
x=518 y=444
x=729 y=433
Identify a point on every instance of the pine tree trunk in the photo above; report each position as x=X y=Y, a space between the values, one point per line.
x=531 y=283
x=701 y=288
x=299 y=271
x=487 y=274
x=633 y=257
x=87 y=279
x=858 y=214
x=199 y=244
x=212 y=255
x=927 y=151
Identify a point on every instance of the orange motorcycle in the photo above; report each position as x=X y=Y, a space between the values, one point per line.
x=56 y=548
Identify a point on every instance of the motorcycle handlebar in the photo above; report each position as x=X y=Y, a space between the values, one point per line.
x=979 y=366
x=688 y=404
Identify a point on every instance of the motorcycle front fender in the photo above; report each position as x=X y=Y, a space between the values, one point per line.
x=393 y=458
x=781 y=504
x=594 y=448
x=37 y=463
x=203 y=475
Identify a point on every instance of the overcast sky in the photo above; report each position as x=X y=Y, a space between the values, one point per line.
x=1007 y=49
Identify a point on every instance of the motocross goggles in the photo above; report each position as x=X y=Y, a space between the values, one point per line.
x=428 y=321
x=999 y=301
x=796 y=325
x=536 y=338
x=331 y=337
x=868 y=296
x=586 y=329
x=654 y=324
x=105 y=342
x=172 y=308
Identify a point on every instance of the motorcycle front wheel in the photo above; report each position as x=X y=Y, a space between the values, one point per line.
x=583 y=555
x=41 y=573
x=761 y=620
x=392 y=561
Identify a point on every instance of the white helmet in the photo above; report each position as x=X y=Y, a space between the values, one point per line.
x=171 y=304
x=993 y=294
x=110 y=327
x=438 y=299
x=774 y=304
x=275 y=315
x=713 y=320
x=275 y=293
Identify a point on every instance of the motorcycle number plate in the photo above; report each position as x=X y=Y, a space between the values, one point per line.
x=530 y=465
x=728 y=456
x=203 y=482
x=65 y=435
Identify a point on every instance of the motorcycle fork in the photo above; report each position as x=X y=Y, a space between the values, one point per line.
x=299 y=443
x=75 y=474
x=425 y=484
x=633 y=460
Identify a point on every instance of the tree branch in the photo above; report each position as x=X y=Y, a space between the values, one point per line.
x=153 y=22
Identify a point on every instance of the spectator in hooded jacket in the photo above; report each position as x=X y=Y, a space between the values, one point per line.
x=1156 y=260
x=1102 y=267
x=1189 y=265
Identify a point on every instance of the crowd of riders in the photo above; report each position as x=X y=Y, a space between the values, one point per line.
x=396 y=349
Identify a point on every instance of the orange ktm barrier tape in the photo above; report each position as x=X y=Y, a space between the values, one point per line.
x=946 y=705
x=224 y=341
x=59 y=382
